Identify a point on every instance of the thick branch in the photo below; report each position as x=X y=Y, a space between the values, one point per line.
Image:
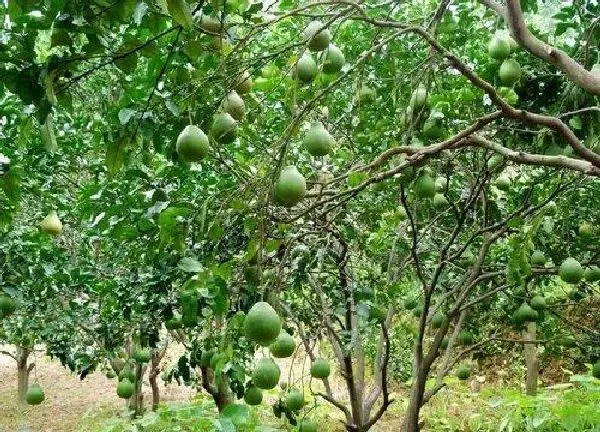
x=561 y=60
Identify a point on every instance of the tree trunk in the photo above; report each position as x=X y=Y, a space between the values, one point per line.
x=531 y=359
x=152 y=374
x=22 y=372
x=411 y=420
x=136 y=401
x=221 y=393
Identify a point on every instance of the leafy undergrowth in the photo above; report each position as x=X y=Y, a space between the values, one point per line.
x=569 y=407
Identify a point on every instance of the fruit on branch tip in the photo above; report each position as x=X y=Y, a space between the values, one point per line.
x=571 y=271
x=266 y=374
x=192 y=144
x=318 y=141
x=51 y=224
x=320 y=368
x=284 y=346
x=317 y=36
x=253 y=395
x=224 y=128
x=125 y=389
x=306 y=68
x=262 y=324
x=498 y=48
x=35 y=395
x=290 y=188
x=334 y=60
x=234 y=105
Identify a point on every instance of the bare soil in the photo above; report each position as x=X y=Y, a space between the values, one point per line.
x=68 y=399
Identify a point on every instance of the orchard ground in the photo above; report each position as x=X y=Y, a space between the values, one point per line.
x=483 y=403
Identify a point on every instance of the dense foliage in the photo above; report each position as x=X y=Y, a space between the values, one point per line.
x=405 y=189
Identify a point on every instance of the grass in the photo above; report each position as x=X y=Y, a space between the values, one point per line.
x=92 y=406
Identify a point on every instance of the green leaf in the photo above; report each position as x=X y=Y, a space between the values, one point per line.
x=575 y=122
x=48 y=136
x=115 y=154
x=181 y=13
x=190 y=265
x=239 y=414
x=140 y=10
x=125 y=115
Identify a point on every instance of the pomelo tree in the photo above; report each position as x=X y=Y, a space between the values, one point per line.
x=375 y=158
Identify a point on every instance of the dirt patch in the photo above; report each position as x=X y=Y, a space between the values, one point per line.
x=68 y=399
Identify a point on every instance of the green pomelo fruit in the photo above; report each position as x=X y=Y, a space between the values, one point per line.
x=494 y=162
x=253 y=396
x=127 y=374
x=266 y=374
x=51 y=224
x=440 y=201
x=419 y=97
x=538 y=303
x=571 y=271
x=538 y=258
x=291 y=187
x=306 y=68
x=244 y=83
x=433 y=128
x=125 y=389
x=424 y=186
x=117 y=364
x=503 y=182
x=524 y=313
x=142 y=355
x=234 y=105
x=498 y=48
x=320 y=368
x=284 y=346
x=192 y=144
x=334 y=60
x=307 y=425
x=35 y=395
x=318 y=141
x=510 y=72
x=211 y=24
x=224 y=128
x=465 y=337
x=463 y=372
x=294 y=400
x=438 y=320
x=7 y=306
x=262 y=324
x=110 y=374
x=317 y=36
x=592 y=274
